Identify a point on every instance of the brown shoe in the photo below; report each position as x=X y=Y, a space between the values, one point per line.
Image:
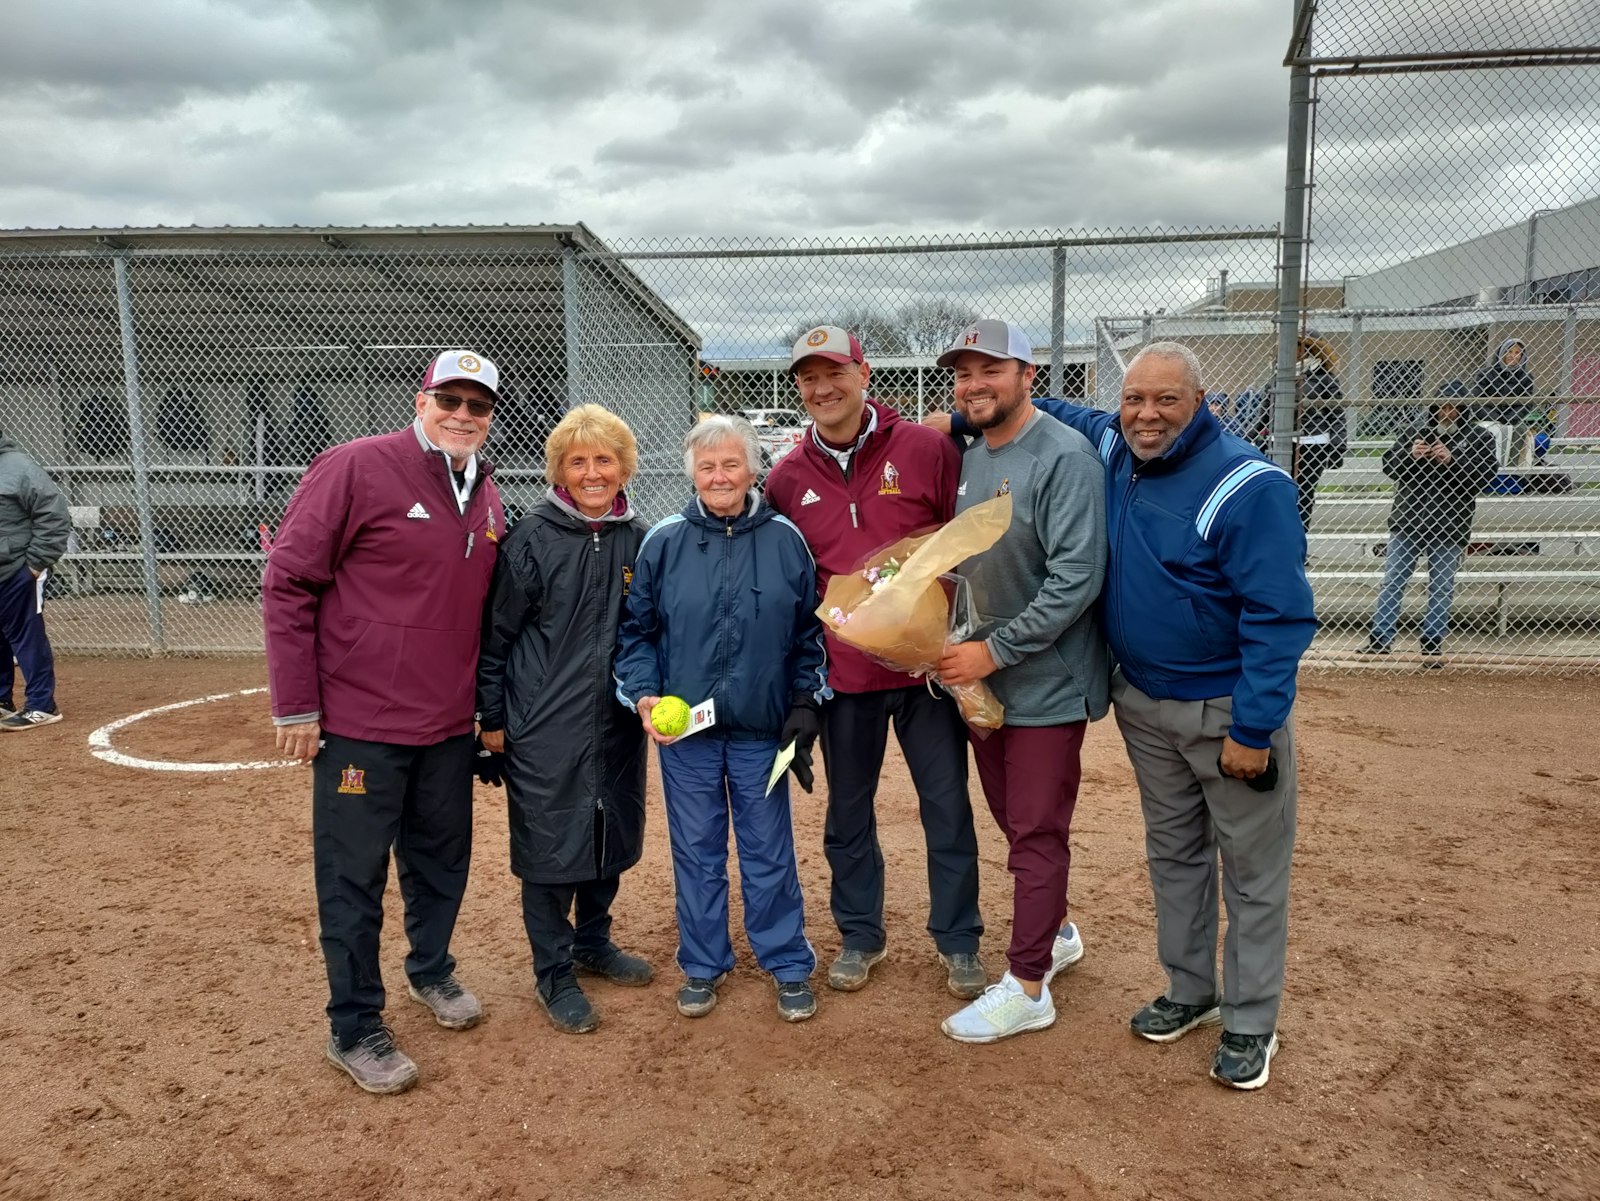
x=374 y=1062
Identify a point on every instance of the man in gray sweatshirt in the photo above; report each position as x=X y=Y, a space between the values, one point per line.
x=1040 y=649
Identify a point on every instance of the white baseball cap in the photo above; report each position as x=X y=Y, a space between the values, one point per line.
x=997 y=339
x=462 y=364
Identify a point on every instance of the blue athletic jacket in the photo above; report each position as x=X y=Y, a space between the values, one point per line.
x=1205 y=591
x=725 y=608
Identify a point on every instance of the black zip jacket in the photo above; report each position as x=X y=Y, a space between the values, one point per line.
x=575 y=756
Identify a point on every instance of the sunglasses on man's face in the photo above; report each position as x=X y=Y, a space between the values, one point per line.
x=450 y=402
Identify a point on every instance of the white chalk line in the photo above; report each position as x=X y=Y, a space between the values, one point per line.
x=100 y=741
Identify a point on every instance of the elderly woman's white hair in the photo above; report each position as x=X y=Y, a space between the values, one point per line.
x=714 y=431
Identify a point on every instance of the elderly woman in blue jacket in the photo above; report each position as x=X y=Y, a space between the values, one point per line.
x=722 y=608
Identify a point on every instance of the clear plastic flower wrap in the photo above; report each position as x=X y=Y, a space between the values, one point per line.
x=898 y=609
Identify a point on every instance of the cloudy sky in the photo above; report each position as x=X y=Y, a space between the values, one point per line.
x=702 y=119
x=645 y=117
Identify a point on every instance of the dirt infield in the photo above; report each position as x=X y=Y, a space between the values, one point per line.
x=161 y=992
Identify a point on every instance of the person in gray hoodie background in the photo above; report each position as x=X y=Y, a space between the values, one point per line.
x=34 y=525
x=1041 y=650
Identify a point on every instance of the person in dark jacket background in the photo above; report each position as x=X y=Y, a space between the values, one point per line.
x=574 y=756
x=1438 y=468
x=1502 y=382
x=1324 y=426
x=34 y=526
x=372 y=603
x=723 y=608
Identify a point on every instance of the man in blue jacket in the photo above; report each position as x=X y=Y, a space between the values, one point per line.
x=1207 y=610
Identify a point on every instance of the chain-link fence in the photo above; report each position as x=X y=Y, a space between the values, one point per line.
x=1451 y=287
x=176 y=383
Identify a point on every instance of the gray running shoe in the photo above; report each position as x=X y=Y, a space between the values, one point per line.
x=374 y=1062
x=966 y=978
x=453 y=1007
x=851 y=969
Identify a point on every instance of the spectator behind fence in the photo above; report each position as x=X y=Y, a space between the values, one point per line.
x=372 y=601
x=34 y=526
x=1505 y=384
x=1324 y=429
x=1438 y=468
x=574 y=766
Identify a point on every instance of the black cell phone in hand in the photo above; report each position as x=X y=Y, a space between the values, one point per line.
x=1265 y=782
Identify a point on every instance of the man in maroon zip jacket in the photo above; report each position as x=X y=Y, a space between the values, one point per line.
x=372 y=600
x=860 y=479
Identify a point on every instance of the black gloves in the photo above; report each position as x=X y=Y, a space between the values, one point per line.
x=801 y=727
x=489 y=766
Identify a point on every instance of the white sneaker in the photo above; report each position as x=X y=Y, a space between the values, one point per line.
x=188 y=597
x=1003 y=1010
x=1066 y=951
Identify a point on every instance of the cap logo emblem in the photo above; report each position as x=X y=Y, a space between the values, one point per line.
x=816 y=337
x=470 y=363
x=971 y=338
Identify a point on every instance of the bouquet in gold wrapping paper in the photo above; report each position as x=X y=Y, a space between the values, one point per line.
x=898 y=609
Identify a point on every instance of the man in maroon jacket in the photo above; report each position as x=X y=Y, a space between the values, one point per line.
x=372 y=601
x=860 y=479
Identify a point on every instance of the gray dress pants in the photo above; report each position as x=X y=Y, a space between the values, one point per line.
x=1192 y=812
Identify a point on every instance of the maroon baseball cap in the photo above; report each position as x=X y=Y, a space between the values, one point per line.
x=827 y=342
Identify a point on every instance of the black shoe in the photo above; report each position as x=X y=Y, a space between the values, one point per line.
x=1244 y=1060
x=1164 y=1021
x=1433 y=653
x=795 y=1000
x=698 y=996
x=1373 y=647
x=617 y=966
x=569 y=1010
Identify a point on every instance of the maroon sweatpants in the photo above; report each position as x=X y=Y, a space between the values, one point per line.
x=1030 y=779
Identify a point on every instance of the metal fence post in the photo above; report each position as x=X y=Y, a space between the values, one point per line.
x=1569 y=352
x=569 y=312
x=136 y=445
x=1291 y=270
x=1058 y=320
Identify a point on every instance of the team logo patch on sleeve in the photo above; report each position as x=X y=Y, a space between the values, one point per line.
x=353 y=781
x=889 y=481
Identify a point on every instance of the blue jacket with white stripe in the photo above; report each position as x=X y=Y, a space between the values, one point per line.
x=724 y=608
x=1205 y=593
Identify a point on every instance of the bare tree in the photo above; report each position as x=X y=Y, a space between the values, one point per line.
x=929 y=326
x=923 y=327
